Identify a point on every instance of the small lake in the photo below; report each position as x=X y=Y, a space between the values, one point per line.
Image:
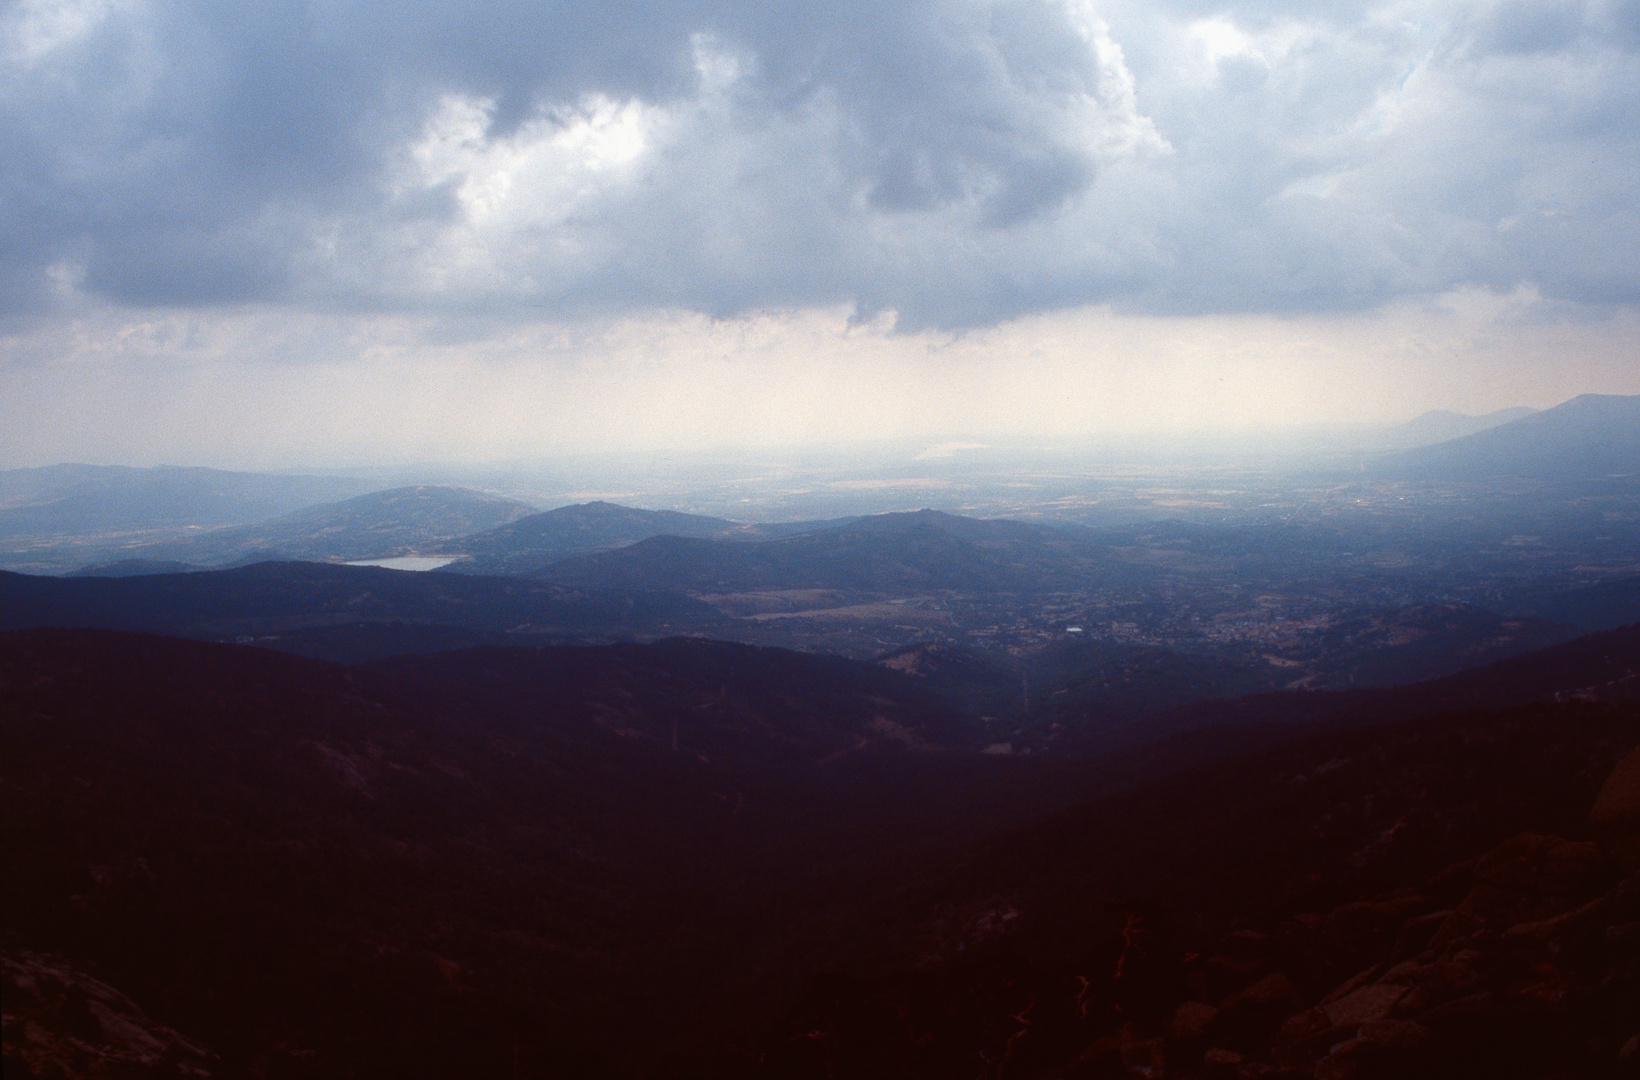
x=409 y=562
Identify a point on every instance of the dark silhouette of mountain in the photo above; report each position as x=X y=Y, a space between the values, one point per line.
x=268 y=600
x=382 y=524
x=1599 y=667
x=134 y=568
x=1071 y=686
x=981 y=684
x=740 y=706
x=530 y=544
x=63 y=1022
x=1605 y=606
x=901 y=552
x=1368 y=649
x=290 y=857
x=774 y=530
x=490 y=863
x=1086 y=698
x=495 y=863
x=62 y=500
x=1589 y=437
x=1409 y=900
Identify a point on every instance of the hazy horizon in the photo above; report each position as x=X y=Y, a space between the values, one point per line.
x=1252 y=445
x=499 y=233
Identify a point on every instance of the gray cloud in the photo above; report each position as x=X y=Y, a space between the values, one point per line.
x=957 y=162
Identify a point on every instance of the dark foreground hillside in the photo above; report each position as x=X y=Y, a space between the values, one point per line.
x=350 y=611
x=700 y=859
x=1399 y=900
x=316 y=870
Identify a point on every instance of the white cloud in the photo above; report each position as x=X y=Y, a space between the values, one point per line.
x=34 y=29
x=956 y=161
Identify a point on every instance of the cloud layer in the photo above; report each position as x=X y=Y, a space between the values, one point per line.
x=958 y=163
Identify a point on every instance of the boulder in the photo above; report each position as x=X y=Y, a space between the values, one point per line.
x=1351 y=985
x=1438 y=983
x=63 y=1023
x=1398 y=1035
x=1144 y=1057
x=1304 y=1037
x=1365 y=1005
x=1416 y=933
x=1190 y=1021
x=1532 y=877
x=1615 y=820
x=1248 y=1017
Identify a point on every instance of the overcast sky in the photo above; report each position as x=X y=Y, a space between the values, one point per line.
x=292 y=232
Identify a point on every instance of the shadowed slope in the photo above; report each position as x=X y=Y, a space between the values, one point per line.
x=279 y=598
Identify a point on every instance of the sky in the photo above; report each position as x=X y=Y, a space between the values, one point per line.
x=344 y=231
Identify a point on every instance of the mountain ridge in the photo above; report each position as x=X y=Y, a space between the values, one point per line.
x=1587 y=437
x=378 y=524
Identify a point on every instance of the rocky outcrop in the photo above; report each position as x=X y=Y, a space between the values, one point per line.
x=1535 y=969
x=1535 y=972
x=60 y=1022
x=1615 y=819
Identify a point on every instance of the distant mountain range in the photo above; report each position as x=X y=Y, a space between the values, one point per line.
x=531 y=544
x=84 y=499
x=490 y=535
x=382 y=524
x=1439 y=425
x=60 y=518
x=920 y=550
x=1592 y=436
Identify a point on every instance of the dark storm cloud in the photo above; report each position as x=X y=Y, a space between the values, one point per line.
x=958 y=162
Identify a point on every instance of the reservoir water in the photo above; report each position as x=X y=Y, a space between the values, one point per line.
x=409 y=562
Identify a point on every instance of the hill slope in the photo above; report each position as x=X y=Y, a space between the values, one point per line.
x=494 y=863
x=82 y=499
x=381 y=524
x=489 y=863
x=923 y=550
x=1439 y=425
x=1400 y=901
x=1588 y=437
x=1602 y=666
x=530 y=544
x=275 y=602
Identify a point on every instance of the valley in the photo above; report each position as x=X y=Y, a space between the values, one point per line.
x=1240 y=775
